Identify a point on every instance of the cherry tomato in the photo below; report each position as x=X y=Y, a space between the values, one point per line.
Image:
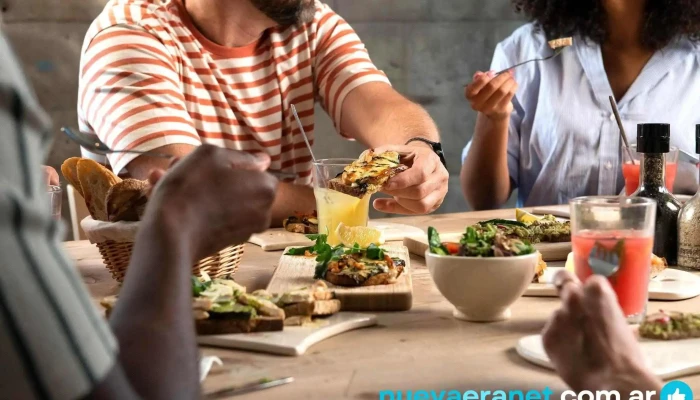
x=452 y=248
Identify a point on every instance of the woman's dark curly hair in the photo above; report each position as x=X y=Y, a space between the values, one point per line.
x=665 y=20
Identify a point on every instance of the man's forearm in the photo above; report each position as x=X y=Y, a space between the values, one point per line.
x=485 y=178
x=289 y=199
x=141 y=166
x=377 y=115
x=153 y=318
x=401 y=121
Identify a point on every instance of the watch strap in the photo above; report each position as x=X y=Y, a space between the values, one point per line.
x=436 y=146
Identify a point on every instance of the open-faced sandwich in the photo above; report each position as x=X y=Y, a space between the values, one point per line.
x=222 y=306
x=546 y=229
x=301 y=223
x=670 y=326
x=351 y=266
x=368 y=173
x=302 y=305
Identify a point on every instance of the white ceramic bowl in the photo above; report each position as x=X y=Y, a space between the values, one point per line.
x=482 y=289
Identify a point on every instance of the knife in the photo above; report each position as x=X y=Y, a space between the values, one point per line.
x=248 y=388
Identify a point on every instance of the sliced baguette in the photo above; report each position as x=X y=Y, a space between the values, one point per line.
x=69 y=170
x=96 y=180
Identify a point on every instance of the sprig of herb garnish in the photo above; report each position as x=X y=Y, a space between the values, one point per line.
x=198 y=286
x=375 y=252
x=326 y=253
x=318 y=247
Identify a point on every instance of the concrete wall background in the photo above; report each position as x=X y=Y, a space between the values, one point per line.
x=428 y=48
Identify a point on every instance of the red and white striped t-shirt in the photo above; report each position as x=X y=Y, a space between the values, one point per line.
x=149 y=78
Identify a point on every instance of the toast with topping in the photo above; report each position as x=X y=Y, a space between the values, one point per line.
x=368 y=174
x=670 y=326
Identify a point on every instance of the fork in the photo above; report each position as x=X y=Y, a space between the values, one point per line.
x=93 y=144
x=556 y=53
x=603 y=261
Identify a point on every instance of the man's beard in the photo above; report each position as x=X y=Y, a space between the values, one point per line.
x=287 y=12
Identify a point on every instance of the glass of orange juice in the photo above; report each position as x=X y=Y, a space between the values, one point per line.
x=630 y=169
x=334 y=207
x=601 y=226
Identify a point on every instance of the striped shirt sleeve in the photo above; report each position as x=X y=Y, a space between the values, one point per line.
x=53 y=341
x=342 y=62
x=129 y=94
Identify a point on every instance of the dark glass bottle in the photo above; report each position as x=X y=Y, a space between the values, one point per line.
x=653 y=143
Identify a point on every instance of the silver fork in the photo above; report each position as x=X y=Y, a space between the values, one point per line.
x=603 y=261
x=556 y=53
x=93 y=144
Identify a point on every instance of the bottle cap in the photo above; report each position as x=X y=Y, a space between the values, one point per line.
x=653 y=138
x=697 y=139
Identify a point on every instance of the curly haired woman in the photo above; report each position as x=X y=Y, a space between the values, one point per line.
x=547 y=128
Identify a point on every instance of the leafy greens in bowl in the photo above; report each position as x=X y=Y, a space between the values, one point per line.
x=483 y=240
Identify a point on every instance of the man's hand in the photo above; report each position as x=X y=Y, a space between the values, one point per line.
x=418 y=190
x=589 y=341
x=50 y=176
x=217 y=197
x=492 y=95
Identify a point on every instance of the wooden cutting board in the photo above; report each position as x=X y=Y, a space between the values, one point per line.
x=550 y=251
x=667 y=359
x=293 y=340
x=294 y=272
x=280 y=239
x=670 y=285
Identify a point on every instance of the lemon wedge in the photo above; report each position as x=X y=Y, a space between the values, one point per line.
x=525 y=217
x=569 y=266
x=362 y=235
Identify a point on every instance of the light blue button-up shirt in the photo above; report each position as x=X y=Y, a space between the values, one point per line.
x=563 y=138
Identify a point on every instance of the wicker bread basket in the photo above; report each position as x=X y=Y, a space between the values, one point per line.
x=115 y=240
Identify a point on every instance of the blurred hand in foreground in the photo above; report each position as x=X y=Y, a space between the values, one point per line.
x=217 y=197
x=590 y=343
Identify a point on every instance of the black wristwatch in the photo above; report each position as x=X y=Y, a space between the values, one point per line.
x=437 y=147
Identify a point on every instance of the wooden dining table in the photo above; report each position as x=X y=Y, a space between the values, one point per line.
x=421 y=349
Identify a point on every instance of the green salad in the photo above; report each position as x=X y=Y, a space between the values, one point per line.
x=483 y=240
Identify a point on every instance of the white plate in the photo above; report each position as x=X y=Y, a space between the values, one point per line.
x=293 y=340
x=667 y=359
x=671 y=284
x=563 y=210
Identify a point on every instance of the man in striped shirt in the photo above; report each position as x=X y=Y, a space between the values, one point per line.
x=169 y=75
x=54 y=344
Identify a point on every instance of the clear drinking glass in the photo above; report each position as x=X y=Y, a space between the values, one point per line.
x=332 y=206
x=55 y=194
x=603 y=226
x=631 y=170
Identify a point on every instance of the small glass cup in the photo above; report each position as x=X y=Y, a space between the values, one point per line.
x=55 y=200
x=631 y=170
x=334 y=207
x=603 y=226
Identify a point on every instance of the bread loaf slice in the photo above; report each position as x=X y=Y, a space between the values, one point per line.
x=96 y=180
x=126 y=200
x=69 y=170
